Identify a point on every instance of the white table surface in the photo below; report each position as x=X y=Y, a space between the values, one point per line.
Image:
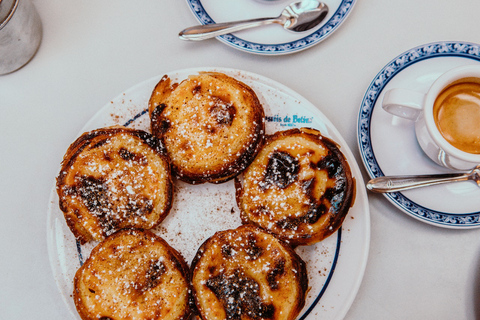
x=94 y=50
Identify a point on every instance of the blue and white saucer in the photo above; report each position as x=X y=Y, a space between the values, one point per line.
x=388 y=145
x=272 y=39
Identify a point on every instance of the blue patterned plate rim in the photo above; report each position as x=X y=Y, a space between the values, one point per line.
x=319 y=35
x=402 y=61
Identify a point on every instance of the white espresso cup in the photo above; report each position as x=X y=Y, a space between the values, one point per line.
x=447 y=117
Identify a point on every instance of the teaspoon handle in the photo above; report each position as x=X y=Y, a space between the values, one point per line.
x=208 y=31
x=399 y=183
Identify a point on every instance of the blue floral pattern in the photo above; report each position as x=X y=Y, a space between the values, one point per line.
x=431 y=50
x=283 y=48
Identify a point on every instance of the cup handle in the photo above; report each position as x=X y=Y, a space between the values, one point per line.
x=403 y=103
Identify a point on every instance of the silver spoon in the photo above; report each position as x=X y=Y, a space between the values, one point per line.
x=399 y=183
x=298 y=16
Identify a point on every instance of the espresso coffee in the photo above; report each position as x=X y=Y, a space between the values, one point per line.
x=457 y=114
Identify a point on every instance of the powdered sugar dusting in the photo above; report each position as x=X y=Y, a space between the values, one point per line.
x=198 y=212
x=201 y=210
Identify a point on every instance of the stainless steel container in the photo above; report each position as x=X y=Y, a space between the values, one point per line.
x=20 y=34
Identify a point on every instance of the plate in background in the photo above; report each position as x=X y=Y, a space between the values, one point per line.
x=272 y=39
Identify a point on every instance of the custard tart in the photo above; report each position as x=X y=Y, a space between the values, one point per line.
x=211 y=124
x=114 y=178
x=299 y=187
x=249 y=274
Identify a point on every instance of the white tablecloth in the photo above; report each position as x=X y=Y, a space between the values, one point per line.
x=93 y=50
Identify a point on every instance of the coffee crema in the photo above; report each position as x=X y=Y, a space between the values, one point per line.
x=457 y=114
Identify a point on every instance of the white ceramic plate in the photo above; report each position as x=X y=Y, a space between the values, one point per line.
x=272 y=39
x=389 y=147
x=335 y=266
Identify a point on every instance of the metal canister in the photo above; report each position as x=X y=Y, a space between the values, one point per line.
x=20 y=34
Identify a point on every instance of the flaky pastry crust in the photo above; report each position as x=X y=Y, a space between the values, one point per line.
x=299 y=187
x=133 y=274
x=211 y=124
x=249 y=274
x=114 y=178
